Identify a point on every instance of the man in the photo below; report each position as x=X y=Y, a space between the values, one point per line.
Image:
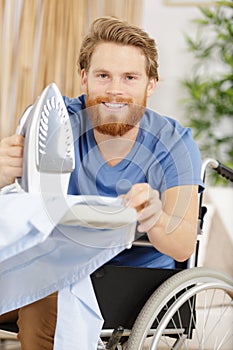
x=121 y=148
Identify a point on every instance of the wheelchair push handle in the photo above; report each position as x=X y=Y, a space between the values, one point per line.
x=224 y=171
x=217 y=166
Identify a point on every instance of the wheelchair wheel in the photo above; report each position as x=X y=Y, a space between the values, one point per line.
x=191 y=310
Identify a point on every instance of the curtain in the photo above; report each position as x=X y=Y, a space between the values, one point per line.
x=39 y=43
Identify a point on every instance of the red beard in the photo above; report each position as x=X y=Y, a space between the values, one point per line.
x=113 y=127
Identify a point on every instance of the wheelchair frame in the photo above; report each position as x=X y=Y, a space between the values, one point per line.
x=168 y=316
x=161 y=311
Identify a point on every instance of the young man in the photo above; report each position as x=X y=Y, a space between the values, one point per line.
x=121 y=148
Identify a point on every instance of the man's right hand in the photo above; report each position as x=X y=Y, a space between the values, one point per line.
x=11 y=159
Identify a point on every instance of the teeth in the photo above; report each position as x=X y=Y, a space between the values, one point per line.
x=115 y=105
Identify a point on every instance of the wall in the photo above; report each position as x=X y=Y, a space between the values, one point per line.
x=167 y=24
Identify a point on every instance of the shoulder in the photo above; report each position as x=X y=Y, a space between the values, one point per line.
x=177 y=154
x=164 y=132
x=76 y=108
x=160 y=125
x=75 y=104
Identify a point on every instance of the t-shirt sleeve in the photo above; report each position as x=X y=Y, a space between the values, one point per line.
x=179 y=162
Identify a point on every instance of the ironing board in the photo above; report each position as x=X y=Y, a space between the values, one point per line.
x=49 y=247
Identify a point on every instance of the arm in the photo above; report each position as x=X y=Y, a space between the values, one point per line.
x=11 y=157
x=171 y=223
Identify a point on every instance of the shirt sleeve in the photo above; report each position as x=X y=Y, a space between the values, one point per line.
x=179 y=160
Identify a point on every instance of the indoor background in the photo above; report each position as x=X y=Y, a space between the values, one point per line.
x=40 y=41
x=39 y=44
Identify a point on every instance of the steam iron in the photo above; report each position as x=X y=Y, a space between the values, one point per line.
x=48 y=157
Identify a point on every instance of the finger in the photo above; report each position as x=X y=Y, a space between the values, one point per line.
x=138 y=196
x=145 y=199
x=13 y=172
x=151 y=209
x=11 y=152
x=10 y=168
x=8 y=175
x=149 y=223
x=10 y=162
x=14 y=140
x=12 y=146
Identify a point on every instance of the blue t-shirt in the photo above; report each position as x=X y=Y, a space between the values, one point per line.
x=164 y=155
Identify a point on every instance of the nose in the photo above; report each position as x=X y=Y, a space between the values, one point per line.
x=114 y=87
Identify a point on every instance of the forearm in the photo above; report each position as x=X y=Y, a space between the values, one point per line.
x=171 y=222
x=174 y=236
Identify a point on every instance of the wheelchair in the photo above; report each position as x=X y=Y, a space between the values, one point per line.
x=181 y=308
x=153 y=309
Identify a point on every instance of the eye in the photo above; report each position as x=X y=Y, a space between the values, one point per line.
x=103 y=76
x=130 y=77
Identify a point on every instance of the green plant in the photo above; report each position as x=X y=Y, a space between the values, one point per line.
x=209 y=89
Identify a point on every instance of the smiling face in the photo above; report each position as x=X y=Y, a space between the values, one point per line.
x=117 y=87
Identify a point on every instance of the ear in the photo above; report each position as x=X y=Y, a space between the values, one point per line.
x=151 y=86
x=84 y=80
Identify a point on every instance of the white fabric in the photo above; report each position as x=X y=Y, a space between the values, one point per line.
x=79 y=301
x=39 y=256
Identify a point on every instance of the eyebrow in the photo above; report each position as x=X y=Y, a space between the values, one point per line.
x=133 y=73
x=98 y=70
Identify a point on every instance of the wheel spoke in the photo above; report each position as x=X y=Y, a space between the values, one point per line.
x=199 y=297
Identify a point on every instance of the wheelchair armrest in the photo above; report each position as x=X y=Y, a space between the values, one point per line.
x=142 y=240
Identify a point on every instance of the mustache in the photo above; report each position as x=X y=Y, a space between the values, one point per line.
x=107 y=99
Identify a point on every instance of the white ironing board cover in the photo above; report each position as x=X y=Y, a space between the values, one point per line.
x=43 y=249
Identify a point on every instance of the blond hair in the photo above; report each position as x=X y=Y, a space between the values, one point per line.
x=110 y=29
